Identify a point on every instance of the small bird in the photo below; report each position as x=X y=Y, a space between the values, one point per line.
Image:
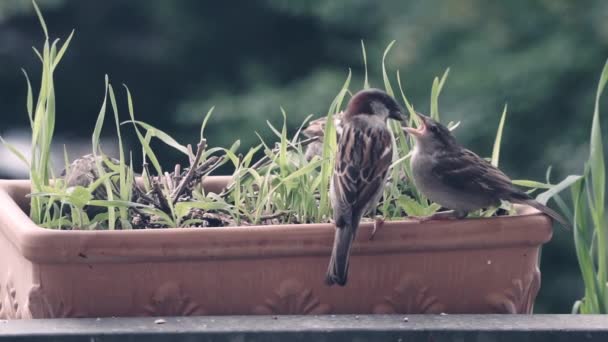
x=458 y=179
x=363 y=157
x=316 y=129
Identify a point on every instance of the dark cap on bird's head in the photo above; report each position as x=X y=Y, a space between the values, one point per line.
x=374 y=102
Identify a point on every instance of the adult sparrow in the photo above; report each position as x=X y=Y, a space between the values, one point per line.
x=363 y=156
x=458 y=179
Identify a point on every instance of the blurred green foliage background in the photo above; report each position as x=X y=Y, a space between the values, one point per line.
x=248 y=58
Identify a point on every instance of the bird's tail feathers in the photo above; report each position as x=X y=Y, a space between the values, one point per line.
x=337 y=270
x=548 y=211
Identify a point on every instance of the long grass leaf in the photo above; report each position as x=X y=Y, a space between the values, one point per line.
x=408 y=105
x=123 y=190
x=116 y=203
x=582 y=249
x=435 y=92
x=30 y=99
x=41 y=19
x=205 y=120
x=365 y=81
x=555 y=189
x=100 y=119
x=531 y=184
x=144 y=141
x=98 y=154
x=497 y=141
x=62 y=50
x=162 y=136
x=598 y=182
x=387 y=82
x=296 y=136
x=15 y=151
x=283 y=146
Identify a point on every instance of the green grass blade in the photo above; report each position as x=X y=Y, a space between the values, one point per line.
x=387 y=82
x=116 y=203
x=149 y=152
x=53 y=52
x=435 y=91
x=283 y=146
x=162 y=136
x=98 y=153
x=14 y=151
x=38 y=54
x=144 y=141
x=41 y=19
x=434 y=99
x=496 y=149
x=205 y=120
x=365 y=81
x=444 y=77
x=62 y=50
x=124 y=190
x=408 y=105
x=598 y=182
x=273 y=129
x=582 y=248
x=100 y=119
x=555 y=189
x=30 y=99
x=531 y=184
x=306 y=169
x=296 y=136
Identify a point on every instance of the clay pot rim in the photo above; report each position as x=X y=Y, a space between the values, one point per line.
x=43 y=245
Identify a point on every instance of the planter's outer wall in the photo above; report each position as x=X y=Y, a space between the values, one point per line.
x=466 y=266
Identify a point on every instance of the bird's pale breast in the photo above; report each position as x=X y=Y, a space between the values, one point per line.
x=434 y=189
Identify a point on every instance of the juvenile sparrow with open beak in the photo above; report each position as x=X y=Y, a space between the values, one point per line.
x=363 y=157
x=458 y=179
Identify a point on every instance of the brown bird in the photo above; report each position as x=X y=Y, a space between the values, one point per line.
x=458 y=179
x=316 y=128
x=361 y=166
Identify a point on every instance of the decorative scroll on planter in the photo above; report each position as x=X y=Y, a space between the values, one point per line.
x=410 y=296
x=292 y=298
x=41 y=304
x=519 y=297
x=9 y=306
x=169 y=300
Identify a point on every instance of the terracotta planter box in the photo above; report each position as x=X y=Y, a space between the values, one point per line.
x=468 y=266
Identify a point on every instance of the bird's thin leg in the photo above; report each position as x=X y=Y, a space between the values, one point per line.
x=378 y=222
x=442 y=215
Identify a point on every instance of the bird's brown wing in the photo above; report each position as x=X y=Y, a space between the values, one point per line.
x=465 y=171
x=362 y=162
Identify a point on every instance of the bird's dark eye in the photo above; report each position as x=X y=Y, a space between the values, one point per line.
x=433 y=129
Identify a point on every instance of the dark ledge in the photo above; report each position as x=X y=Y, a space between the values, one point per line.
x=435 y=328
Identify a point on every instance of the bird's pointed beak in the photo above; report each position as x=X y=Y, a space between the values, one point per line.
x=420 y=122
x=397 y=115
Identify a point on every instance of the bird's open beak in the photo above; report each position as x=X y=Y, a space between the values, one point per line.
x=417 y=132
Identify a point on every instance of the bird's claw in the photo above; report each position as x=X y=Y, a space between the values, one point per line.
x=378 y=222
